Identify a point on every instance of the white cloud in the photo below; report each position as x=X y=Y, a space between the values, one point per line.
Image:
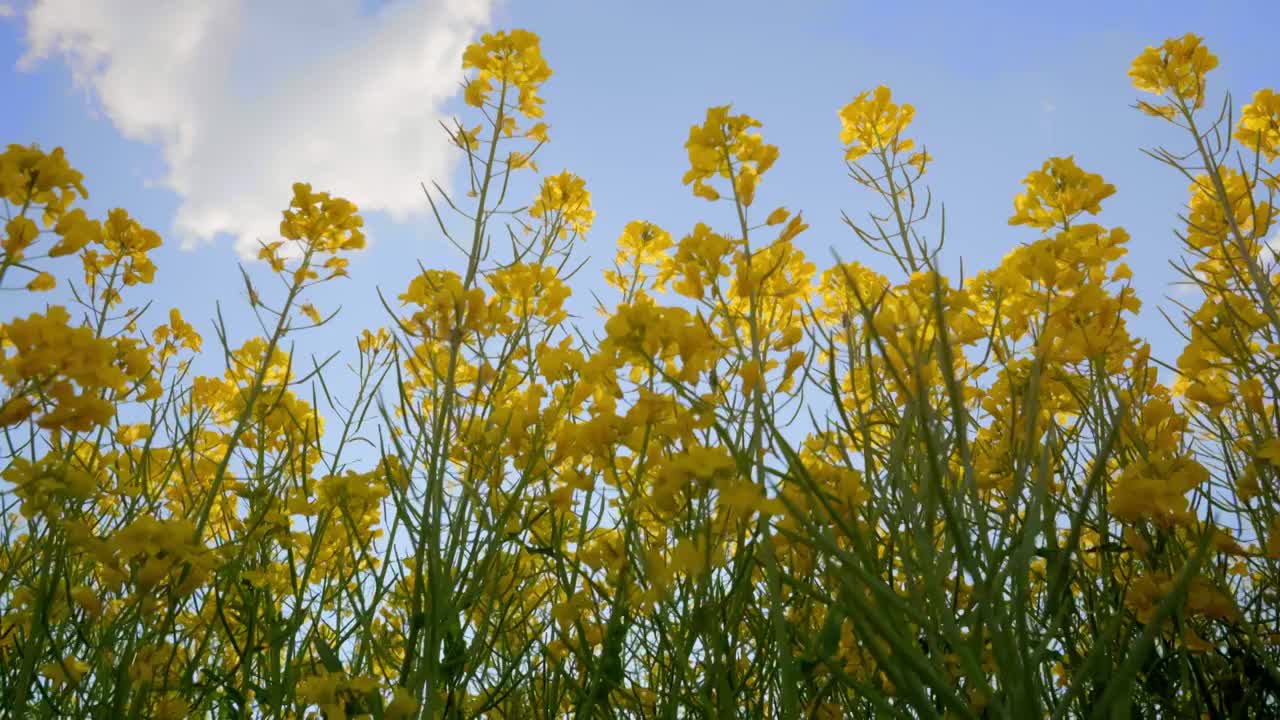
x=244 y=98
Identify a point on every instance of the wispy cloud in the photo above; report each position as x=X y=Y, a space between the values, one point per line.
x=244 y=98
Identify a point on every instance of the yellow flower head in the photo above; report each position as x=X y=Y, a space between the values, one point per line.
x=702 y=257
x=329 y=224
x=873 y=122
x=30 y=176
x=1259 y=127
x=526 y=290
x=19 y=234
x=1058 y=192
x=439 y=295
x=76 y=231
x=849 y=290
x=182 y=332
x=723 y=145
x=512 y=59
x=42 y=282
x=1178 y=66
x=72 y=364
x=564 y=203
x=126 y=244
x=642 y=247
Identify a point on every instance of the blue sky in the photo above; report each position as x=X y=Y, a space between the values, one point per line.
x=198 y=117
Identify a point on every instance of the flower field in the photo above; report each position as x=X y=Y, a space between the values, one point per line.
x=759 y=485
